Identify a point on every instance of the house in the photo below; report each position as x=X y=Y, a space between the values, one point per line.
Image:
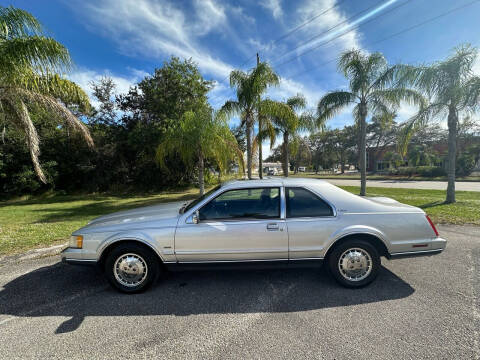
x=376 y=159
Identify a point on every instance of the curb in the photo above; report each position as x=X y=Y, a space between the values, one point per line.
x=34 y=254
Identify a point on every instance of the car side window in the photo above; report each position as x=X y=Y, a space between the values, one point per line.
x=303 y=203
x=253 y=203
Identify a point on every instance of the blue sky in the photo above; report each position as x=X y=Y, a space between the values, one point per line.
x=127 y=39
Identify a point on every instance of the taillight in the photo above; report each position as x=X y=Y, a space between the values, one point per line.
x=432 y=225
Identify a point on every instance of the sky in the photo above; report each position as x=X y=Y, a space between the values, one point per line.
x=128 y=39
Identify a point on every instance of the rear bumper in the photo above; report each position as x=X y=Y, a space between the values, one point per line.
x=437 y=245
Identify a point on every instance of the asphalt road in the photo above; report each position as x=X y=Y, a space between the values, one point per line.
x=410 y=184
x=418 y=308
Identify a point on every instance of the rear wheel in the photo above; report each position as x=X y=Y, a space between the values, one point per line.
x=131 y=268
x=355 y=263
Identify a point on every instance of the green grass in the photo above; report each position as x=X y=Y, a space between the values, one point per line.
x=45 y=221
x=49 y=220
x=465 y=211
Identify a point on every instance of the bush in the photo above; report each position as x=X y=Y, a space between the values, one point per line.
x=430 y=171
x=465 y=164
x=426 y=171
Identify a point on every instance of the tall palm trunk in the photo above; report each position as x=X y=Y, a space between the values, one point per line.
x=260 y=160
x=201 y=168
x=285 y=154
x=363 y=150
x=452 y=153
x=249 y=148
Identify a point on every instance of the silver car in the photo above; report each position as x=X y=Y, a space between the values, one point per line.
x=256 y=223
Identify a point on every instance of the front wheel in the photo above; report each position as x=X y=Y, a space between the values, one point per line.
x=131 y=268
x=355 y=263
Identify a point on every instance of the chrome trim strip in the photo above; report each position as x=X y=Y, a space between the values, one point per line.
x=416 y=252
x=241 y=251
x=229 y=261
x=80 y=260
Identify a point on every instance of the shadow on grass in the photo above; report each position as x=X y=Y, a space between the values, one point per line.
x=102 y=207
x=50 y=291
x=432 y=204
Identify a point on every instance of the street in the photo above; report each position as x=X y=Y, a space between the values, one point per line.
x=409 y=184
x=425 y=307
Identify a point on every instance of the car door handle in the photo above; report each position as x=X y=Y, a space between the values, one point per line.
x=272 y=227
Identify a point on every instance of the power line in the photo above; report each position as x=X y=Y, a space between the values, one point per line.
x=422 y=23
x=340 y=35
x=331 y=28
x=284 y=36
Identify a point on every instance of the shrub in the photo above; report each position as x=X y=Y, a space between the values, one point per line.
x=426 y=171
x=465 y=164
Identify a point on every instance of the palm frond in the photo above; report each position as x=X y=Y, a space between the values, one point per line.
x=332 y=103
x=22 y=120
x=16 y=22
x=41 y=54
x=297 y=102
x=57 y=109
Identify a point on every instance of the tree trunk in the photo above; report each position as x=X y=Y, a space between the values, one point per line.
x=363 y=150
x=452 y=153
x=260 y=160
x=249 y=148
x=201 y=181
x=285 y=154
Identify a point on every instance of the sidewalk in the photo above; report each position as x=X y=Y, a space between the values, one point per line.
x=405 y=184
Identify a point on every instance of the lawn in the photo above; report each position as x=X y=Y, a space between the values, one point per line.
x=49 y=220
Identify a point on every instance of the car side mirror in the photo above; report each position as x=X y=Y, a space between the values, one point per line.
x=194 y=218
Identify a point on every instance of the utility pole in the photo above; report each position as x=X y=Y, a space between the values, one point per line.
x=260 y=161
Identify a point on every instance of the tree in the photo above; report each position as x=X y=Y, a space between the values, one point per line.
x=250 y=87
x=454 y=89
x=200 y=136
x=370 y=80
x=156 y=104
x=29 y=67
x=288 y=122
x=381 y=132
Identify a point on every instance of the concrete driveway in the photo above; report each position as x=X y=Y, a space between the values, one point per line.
x=407 y=184
x=417 y=308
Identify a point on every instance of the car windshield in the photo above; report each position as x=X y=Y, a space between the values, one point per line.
x=196 y=201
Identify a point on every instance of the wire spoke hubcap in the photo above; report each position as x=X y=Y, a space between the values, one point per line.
x=130 y=270
x=355 y=264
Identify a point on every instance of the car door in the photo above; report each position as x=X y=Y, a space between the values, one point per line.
x=237 y=225
x=310 y=221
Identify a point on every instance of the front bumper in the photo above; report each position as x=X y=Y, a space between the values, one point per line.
x=437 y=245
x=75 y=256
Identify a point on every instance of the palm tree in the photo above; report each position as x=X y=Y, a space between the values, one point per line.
x=29 y=67
x=250 y=87
x=370 y=81
x=453 y=89
x=201 y=136
x=287 y=122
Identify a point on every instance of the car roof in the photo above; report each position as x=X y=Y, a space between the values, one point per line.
x=272 y=181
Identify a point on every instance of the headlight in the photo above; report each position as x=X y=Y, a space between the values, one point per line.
x=76 y=241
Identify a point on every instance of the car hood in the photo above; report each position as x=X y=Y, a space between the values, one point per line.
x=157 y=215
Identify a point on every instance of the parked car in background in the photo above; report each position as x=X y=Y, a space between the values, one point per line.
x=302 y=169
x=272 y=171
x=274 y=221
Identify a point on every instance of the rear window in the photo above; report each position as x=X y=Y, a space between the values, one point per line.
x=303 y=203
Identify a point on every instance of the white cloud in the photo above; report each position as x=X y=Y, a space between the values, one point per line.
x=325 y=22
x=157 y=30
x=210 y=15
x=289 y=87
x=274 y=6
